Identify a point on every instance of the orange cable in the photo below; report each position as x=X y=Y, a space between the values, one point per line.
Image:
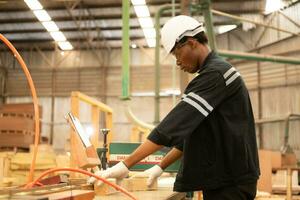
x=30 y=185
x=35 y=103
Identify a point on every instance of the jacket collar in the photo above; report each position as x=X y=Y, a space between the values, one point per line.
x=211 y=55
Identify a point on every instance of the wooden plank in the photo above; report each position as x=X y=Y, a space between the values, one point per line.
x=73 y=139
x=265 y=164
x=19 y=108
x=104 y=189
x=95 y=121
x=109 y=125
x=137 y=184
x=61 y=178
x=16 y=123
x=16 y=140
x=65 y=195
x=1 y=168
x=161 y=194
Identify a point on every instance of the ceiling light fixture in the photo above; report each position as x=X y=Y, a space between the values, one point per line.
x=145 y=20
x=149 y=32
x=58 y=36
x=50 y=26
x=138 y=2
x=272 y=5
x=33 y=4
x=65 y=45
x=141 y=11
x=43 y=16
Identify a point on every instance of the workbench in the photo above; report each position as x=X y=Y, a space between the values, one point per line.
x=160 y=194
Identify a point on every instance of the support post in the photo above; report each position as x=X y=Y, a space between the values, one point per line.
x=125 y=49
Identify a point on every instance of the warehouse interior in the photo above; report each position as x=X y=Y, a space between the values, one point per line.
x=102 y=62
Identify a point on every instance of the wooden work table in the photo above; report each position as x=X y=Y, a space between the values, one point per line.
x=160 y=194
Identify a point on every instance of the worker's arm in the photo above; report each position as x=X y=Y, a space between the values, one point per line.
x=156 y=171
x=170 y=158
x=121 y=169
x=141 y=152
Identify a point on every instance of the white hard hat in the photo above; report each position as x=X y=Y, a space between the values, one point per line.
x=178 y=27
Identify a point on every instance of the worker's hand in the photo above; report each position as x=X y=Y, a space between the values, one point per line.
x=119 y=171
x=152 y=173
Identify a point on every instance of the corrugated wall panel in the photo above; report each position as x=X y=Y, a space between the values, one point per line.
x=87 y=80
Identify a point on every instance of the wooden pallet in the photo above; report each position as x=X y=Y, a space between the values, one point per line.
x=17 y=125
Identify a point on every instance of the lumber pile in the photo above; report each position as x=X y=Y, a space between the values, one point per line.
x=279 y=182
x=5 y=158
x=137 y=181
x=17 y=125
x=15 y=167
x=273 y=176
x=20 y=165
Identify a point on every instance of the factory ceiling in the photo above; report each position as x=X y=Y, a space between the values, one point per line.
x=95 y=23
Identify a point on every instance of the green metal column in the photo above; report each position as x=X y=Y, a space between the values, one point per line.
x=125 y=50
x=206 y=11
x=157 y=62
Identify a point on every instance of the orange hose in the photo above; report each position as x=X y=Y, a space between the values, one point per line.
x=35 y=103
x=30 y=185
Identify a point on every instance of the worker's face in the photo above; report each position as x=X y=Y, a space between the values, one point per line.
x=186 y=57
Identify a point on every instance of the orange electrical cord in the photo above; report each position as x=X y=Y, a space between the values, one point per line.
x=37 y=131
x=35 y=103
x=30 y=185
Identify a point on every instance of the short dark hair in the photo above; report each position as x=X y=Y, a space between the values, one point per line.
x=200 y=37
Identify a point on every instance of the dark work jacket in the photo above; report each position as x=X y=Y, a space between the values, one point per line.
x=213 y=125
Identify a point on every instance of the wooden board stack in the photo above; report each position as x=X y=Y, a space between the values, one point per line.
x=17 y=125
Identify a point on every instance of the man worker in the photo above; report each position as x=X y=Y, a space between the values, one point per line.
x=212 y=127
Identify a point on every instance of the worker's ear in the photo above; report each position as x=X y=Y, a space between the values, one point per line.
x=192 y=42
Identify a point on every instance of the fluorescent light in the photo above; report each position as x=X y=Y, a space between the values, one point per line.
x=58 y=36
x=33 y=4
x=42 y=15
x=138 y=2
x=225 y=28
x=65 y=45
x=146 y=22
x=142 y=11
x=143 y=14
x=50 y=26
x=151 y=42
x=149 y=32
x=272 y=5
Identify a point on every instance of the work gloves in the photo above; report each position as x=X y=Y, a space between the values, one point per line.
x=152 y=173
x=118 y=171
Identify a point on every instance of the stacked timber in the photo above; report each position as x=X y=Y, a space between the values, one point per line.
x=17 y=125
x=15 y=167
x=5 y=159
x=21 y=162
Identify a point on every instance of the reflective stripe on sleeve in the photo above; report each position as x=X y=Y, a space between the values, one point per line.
x=232 y=69
x=196 y=105
x=232 y=78
x=203 y=101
